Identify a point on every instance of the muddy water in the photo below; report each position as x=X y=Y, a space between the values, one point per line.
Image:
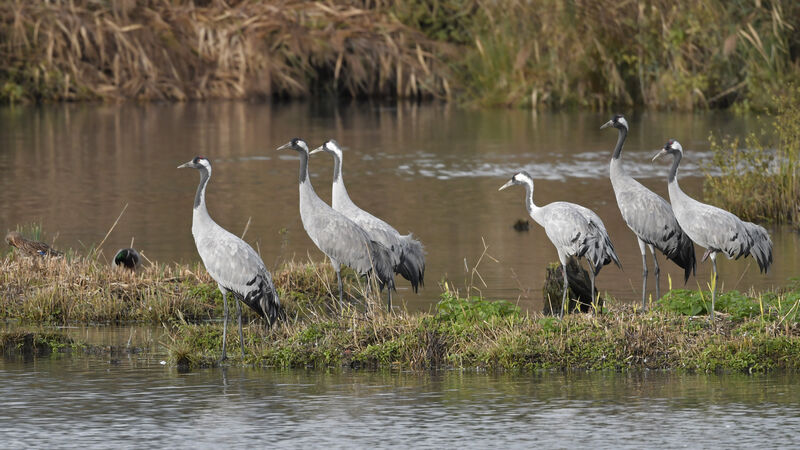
x=431 y=169
x=132 y=400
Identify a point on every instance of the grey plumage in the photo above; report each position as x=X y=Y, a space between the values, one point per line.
x=341 y=239
x=230 y=261
x=408 y=254
x=574 y=230
x=713 y=228
x=648 y=215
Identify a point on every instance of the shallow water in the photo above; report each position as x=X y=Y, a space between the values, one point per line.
x=132 y=400
x=430 y=169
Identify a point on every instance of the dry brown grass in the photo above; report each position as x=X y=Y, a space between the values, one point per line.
x=176 y=50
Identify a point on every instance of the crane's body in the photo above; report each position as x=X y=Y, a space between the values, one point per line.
x=715 y=229
x=408 y=255
x=230 y=261
x=574 y=230
x=649 y=216
x=341 y=239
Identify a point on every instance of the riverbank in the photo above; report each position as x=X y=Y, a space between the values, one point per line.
x=754 y=332
x=501 y=53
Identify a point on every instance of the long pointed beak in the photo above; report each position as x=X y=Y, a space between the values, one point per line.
x=285 y=146
x=510 y=183
x=317 y=150
x=607 y=124
x=187 y=165
x=660 y=154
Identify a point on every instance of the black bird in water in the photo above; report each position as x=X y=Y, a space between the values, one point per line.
x=29 y=247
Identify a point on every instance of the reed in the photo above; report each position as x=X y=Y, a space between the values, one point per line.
x=518 y=53
x=760 y=180
x=178 y=50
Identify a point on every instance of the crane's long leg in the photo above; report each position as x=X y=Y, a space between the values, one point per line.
x=224 y=324
x=241 y=335
x=389 y=296
x=714 y=278
x=338 y=268
x=591 y=285
x=657 y=271
x=644 y=273
x=566 y=287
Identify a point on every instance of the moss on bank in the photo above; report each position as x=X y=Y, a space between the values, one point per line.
x=753 y=332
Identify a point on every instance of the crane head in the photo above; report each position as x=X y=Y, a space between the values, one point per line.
x=522 y=177
x=296 y=144
x=671 y=147
x=199 y=162
x=329 y=146
x=618 y=122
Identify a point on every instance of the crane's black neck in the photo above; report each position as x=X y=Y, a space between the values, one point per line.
x=303 y=166
x=623 y=134
x=529 y=198
x=199 y=197
x=337 y=168
x=673 y=171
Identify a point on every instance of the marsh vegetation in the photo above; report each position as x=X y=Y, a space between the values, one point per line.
x=666 y=54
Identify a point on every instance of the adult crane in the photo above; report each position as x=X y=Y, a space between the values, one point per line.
x=715 y=229
x=574 y=230
x=649 y=216
x=230 y=261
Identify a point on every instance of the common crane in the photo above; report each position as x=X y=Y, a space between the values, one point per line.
x=574 y=230
x=230 y=261
x=649 y=216
x=714 y=228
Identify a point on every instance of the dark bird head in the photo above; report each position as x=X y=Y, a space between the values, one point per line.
x=523 y=178
x=296 y=144
x=618 y=122
x=672 y=147
x=331 y=147
x=199 y=162
x=128 y=258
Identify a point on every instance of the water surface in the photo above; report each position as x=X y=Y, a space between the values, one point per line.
x=429 y=169
x=132 y=400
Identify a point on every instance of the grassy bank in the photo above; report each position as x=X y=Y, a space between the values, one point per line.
x=754 y=332
x=760 y=179
x=709 y=53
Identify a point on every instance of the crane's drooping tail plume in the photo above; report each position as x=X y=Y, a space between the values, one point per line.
x=762 y=245
x=382 y=264
x=682 y=255
x=412 y=261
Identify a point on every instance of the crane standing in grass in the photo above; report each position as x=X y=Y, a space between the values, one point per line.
x=230 y=261
x=408 y=255
x=713 y=228
x=574 y=230
x=649 y=216
x=341 y=239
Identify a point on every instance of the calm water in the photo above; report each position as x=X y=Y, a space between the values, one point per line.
x=134 y=401
x=430 y=169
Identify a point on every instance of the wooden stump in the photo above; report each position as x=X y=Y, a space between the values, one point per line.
x=578 y=295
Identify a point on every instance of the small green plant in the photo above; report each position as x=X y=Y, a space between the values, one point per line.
x=452 y=308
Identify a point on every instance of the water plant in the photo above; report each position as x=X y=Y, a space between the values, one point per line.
x=760 y=179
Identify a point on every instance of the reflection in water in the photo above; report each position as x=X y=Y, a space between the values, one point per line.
x=93 y=402
x=431 y=169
